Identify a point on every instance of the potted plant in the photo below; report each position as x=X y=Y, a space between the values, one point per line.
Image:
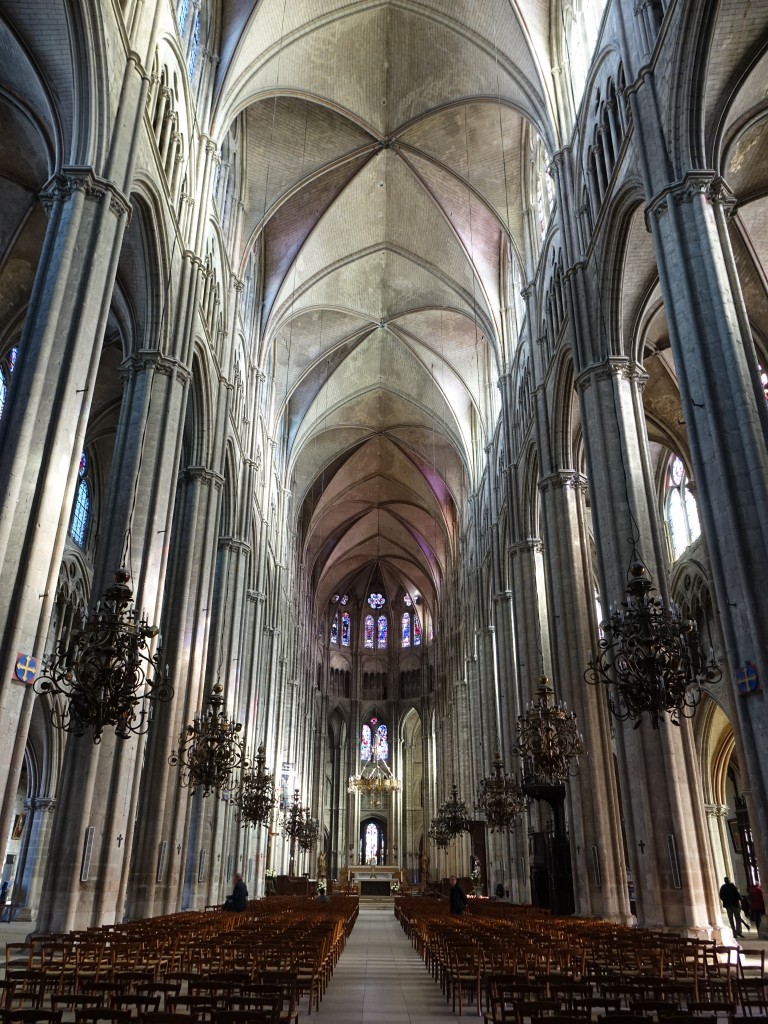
x=322 y=890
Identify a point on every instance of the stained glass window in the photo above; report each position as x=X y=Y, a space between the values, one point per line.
x=407 y=600
x=382 y=743
x=183 y=12
x=12 y=357
x=3 y=391
x=345 y=599
x=416 y=631
x=80 y=515
x=431 y=633
x=764 y=381
x=371 y=843
x=335 y=629
x=345 y=629
x=405 y=623
x=681 y=512
x=365 y=744
x=195 y=46
x=381 y=631
x=335 y=598
x=376 y=600
x=368 y=637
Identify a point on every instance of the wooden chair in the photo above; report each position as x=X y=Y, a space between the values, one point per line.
x=31 y=1015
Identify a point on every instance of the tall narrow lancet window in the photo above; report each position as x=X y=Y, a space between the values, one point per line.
x=183 y=15
x=345 y=629
x=381 y=631
x=192 y=64
x=79 y=526
x=368 y=632
x=371 y=844
x=366 y=747
x=681 y=513
x=416 y=631
x=7 y=367
x=335 y=629
x=382 y=743
x=3 y=390
x=405 y=629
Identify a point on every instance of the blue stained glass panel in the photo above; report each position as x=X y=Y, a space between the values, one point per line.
x=80 y=515
x=365 y=744
x=382 y=743
x=406 y=629
x=345 y=630
x=12 y=357
x=3 y=392
x=183 y=12
x=195 y=46
x=381 y=631
x=368 y=636
x=416 y=631
x=335 y=630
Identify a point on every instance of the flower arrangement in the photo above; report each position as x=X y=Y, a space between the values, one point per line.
x=321 y=887
x=475 y=874
x=270 y=873
x=394 y=887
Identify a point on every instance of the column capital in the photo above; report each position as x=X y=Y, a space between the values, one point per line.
x=71 y=180
x=204 y=475
x=564 y=478
x=147 y=359
x=705 y=183
x=613 y=366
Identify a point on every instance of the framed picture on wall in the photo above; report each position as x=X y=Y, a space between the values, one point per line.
x=735 y=831
x=18 y=826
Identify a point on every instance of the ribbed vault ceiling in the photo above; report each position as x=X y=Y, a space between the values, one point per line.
x=384 y=148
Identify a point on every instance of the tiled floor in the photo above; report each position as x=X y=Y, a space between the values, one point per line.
x=380 y=978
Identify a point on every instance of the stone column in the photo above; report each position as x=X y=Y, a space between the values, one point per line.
x=727 y=424
x=663 y=802
x=43 y=429
x=26 y=894
x=600 y=882
x=96 y=807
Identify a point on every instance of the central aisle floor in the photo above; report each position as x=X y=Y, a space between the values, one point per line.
x=380 y=978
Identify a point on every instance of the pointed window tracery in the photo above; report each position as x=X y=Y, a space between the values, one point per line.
x=368 y=632
x=681 y=512
x=79 y=526
x=335 y=629
x=381 y=631
x=405 y=629
x=345 y=629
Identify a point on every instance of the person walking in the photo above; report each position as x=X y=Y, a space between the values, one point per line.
x=756 y=904
x=731 y=900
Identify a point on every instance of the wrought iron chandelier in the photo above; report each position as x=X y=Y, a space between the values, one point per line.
x=451 y=820
x=501 y=798
x=105 y=672
x=210 y=749
x=256 y=797
x=298 y=824
x=439 y=834
x=548 y=740
x=650 y=658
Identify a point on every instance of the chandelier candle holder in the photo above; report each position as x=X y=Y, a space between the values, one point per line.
x=650 y=658
x=451 y=820
x=548 y=740
x=298 y=824
x=210 y=750
x=105 y=672
x=256 y=797
x=500 y=799
x=376 y=778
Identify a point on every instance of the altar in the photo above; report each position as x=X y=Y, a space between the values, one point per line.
x=371 y=880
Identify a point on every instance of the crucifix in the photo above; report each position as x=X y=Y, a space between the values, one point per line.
x=641 y=844
x=120 y=839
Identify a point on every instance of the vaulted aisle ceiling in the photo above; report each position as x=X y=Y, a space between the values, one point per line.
x=384 y=146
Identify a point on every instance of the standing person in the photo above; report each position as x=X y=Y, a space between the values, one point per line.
x=756 y=904
x=731 y=900
x=456 y=897
x=239 y=898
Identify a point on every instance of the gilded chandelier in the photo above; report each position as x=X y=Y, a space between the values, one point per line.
x=105 y=671
x=501 y=798
x=376 y=778
x=650 y=658
x=210 y=750
x=548 y=740
x=256 y=797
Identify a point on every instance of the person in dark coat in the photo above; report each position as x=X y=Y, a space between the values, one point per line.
x=756 y=904
x=456 y=897
x=731 y=900
x=239 y=898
